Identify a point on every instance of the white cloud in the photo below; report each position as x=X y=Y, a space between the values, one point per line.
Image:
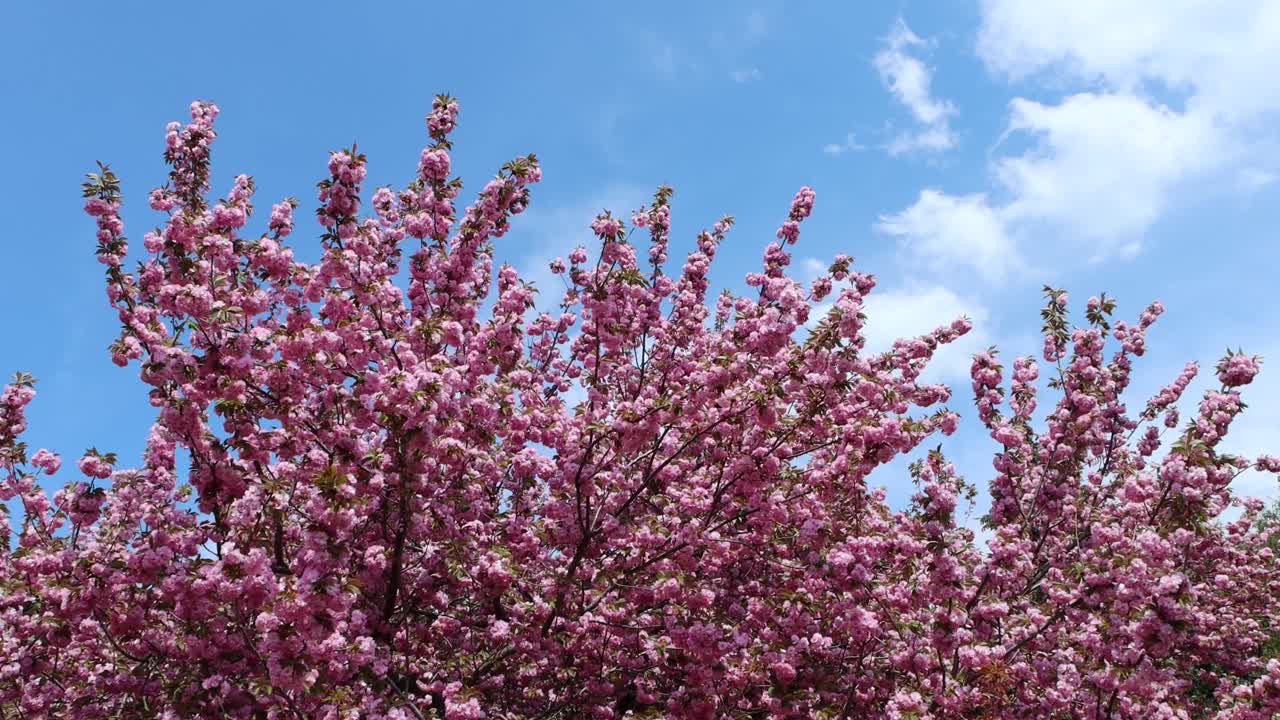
x=1095 y=170
x=909 y=79
x=945 y=231
x=914 y=311
x=1100 y=170
x=1223 y=53
x=1104 y=166
x=917 y=310
x=850 y=144
x=934 y=139
x=745 y=75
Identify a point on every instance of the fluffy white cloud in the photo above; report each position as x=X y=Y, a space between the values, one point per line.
x=1103 y=166
x=1222 y=53
x=946 y=231
x=1096 y=169
x=914 y=311
x=910 y=80
x=1100 y=170
x=1108 y=163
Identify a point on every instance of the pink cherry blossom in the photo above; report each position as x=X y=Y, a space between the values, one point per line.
x=400 y=482
x=47 y=461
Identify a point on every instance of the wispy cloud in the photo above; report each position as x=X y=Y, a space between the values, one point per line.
x=910 y=82
x=944 y=232
x=850 y=144
x=745 y=75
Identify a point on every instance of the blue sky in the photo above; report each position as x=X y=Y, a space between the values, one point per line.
x=965 y=152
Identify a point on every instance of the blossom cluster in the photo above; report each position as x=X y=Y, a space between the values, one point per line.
x=413 y=487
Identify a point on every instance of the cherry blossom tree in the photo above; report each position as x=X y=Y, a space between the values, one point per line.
x=409 y=493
